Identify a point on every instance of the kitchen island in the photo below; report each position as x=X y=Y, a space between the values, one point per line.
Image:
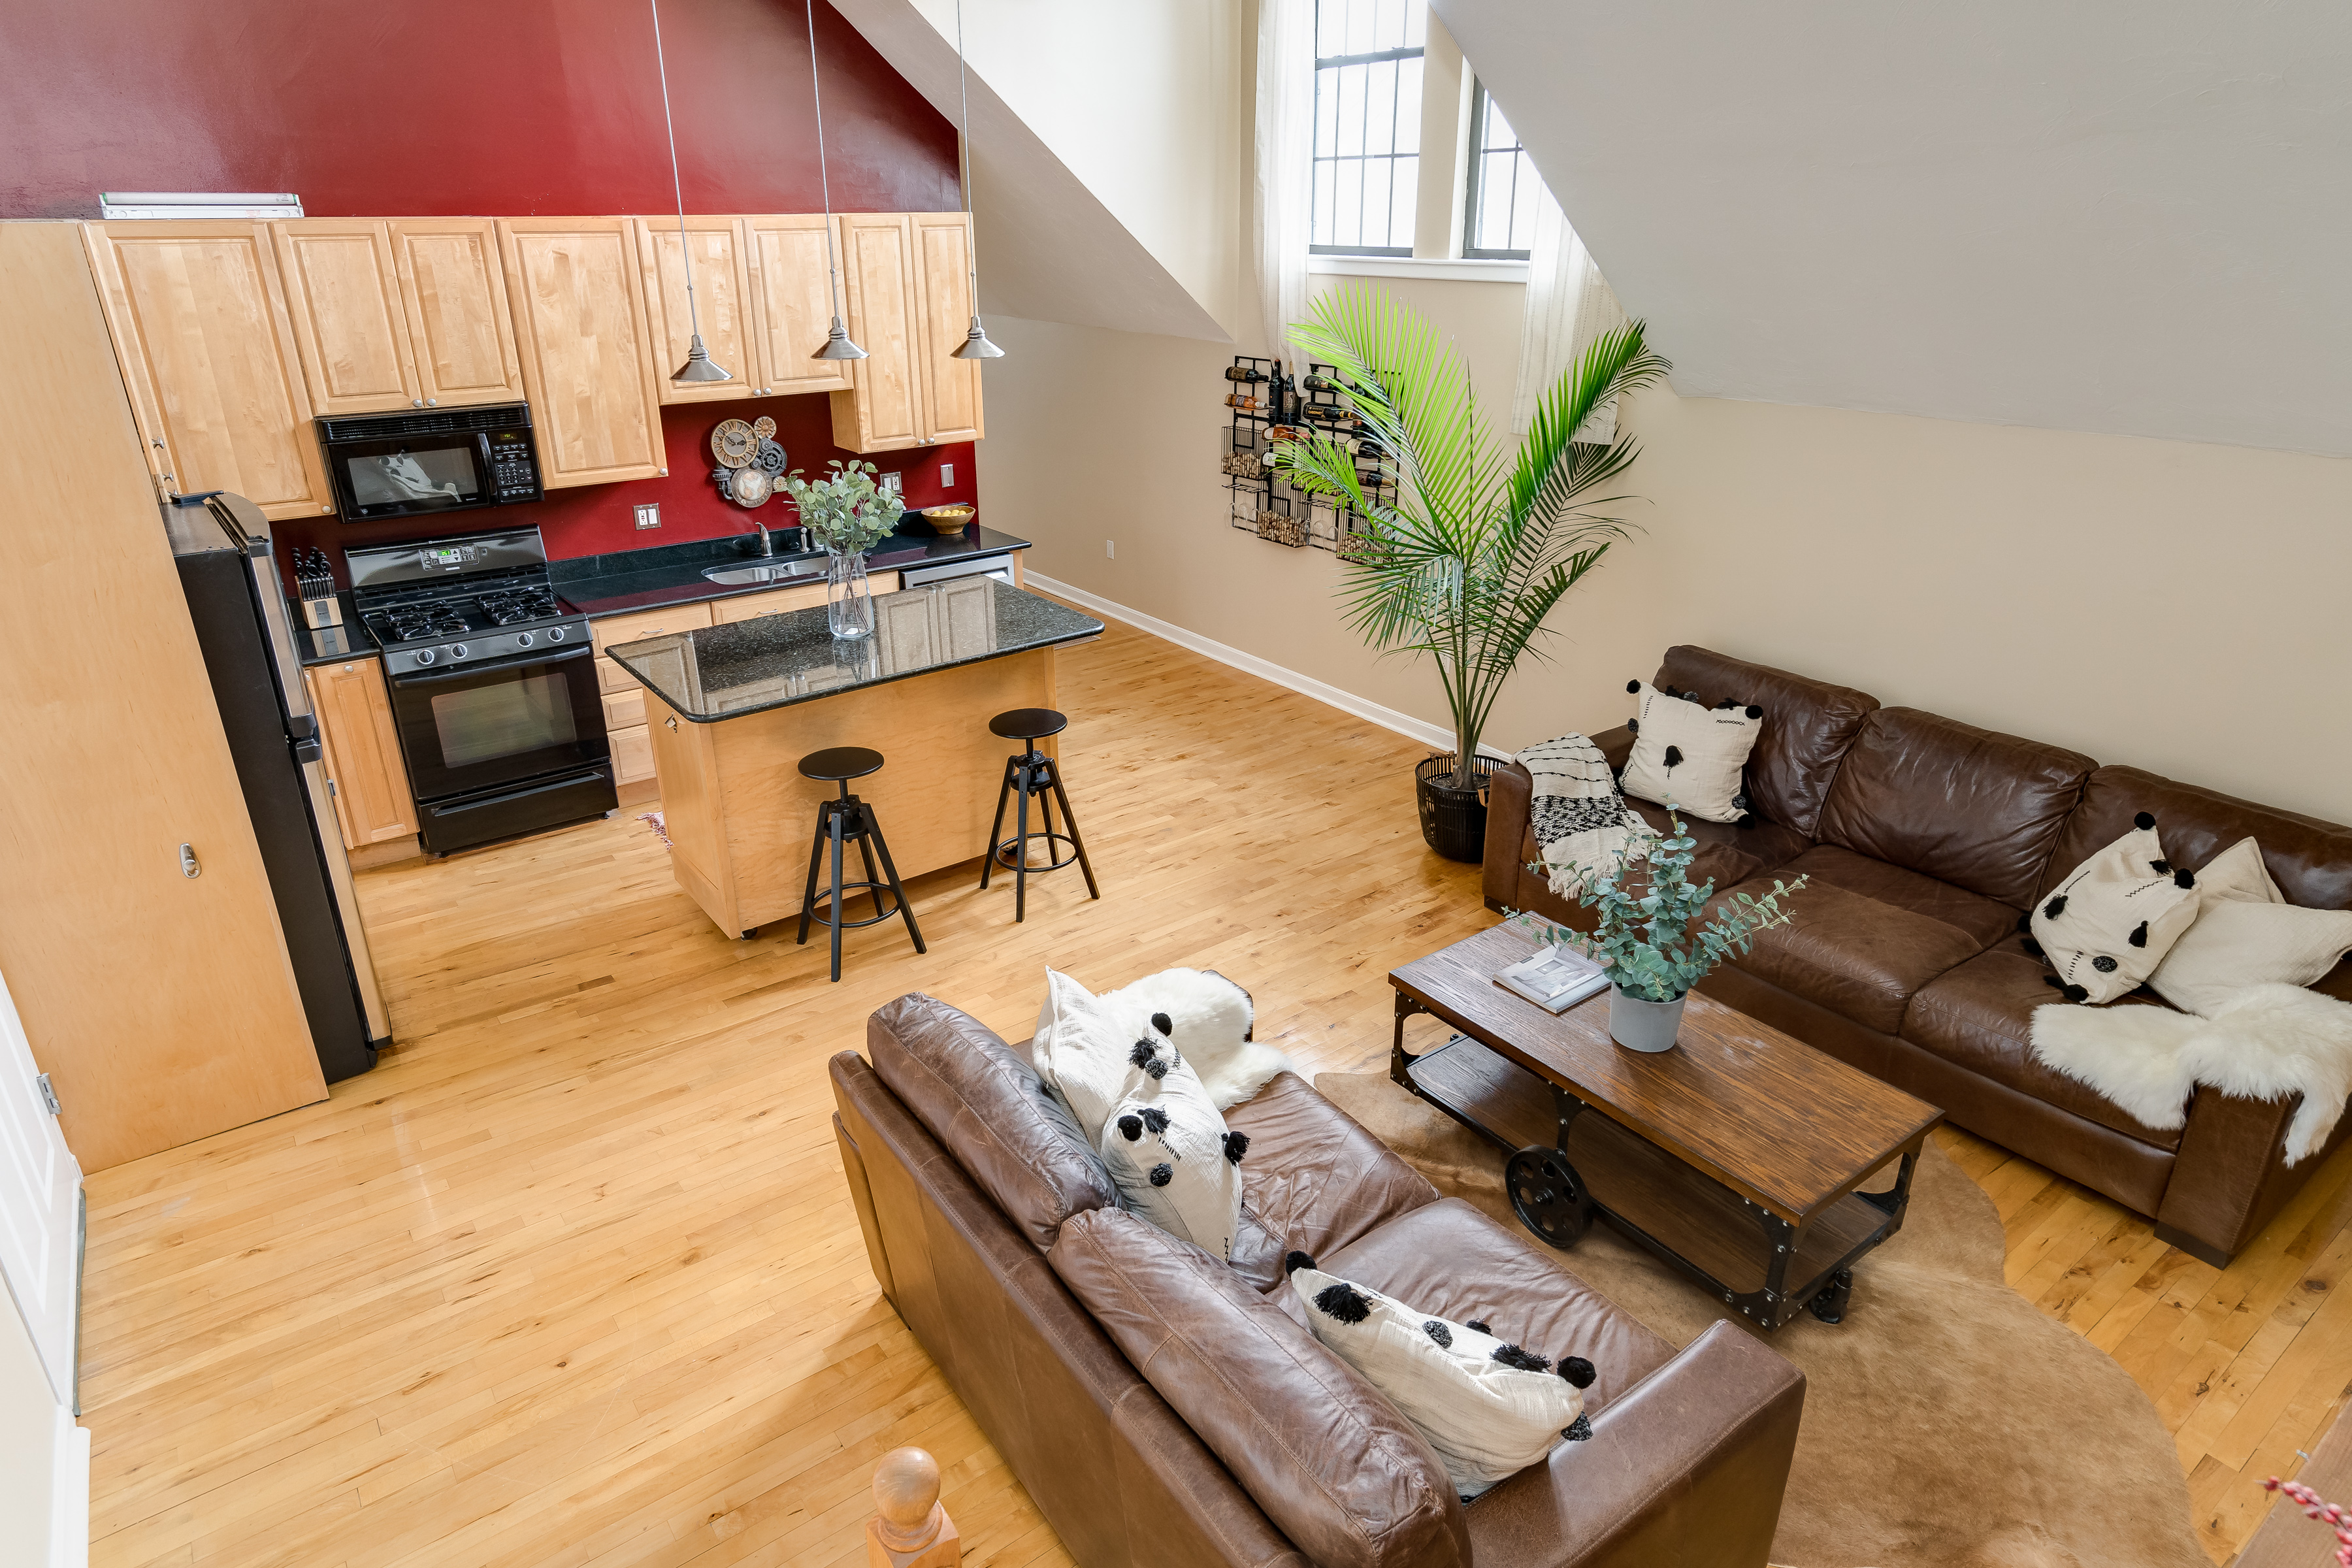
x=732 y=709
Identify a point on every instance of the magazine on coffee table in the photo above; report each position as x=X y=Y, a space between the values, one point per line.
x=1554 y=978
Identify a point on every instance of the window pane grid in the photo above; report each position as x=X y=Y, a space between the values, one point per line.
x=1501 y=205
x=1367 y=125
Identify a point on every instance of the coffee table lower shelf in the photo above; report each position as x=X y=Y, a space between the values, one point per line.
x=1761 y=1266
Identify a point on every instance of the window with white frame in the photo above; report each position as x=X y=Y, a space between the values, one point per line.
x=1498 y=203
x=1368 y=59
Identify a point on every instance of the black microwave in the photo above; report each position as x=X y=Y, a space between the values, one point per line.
x=421 y=464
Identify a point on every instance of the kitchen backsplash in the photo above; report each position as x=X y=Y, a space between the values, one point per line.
x=594 y=520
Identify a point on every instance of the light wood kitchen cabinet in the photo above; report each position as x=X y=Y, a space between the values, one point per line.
x=587 y=356
x=343 y=297
x=362 y=747
x=907 y=291
x=776 y=601
x=454 y=291
x=721 y=248
x=205 y=346
x=792 y=303
x=950 y=405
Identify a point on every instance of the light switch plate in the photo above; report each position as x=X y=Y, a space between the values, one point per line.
x=649 y=514
x=946 y=473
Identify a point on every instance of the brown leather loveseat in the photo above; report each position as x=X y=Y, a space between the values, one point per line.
x=1166 y=1409
x=1925 y=840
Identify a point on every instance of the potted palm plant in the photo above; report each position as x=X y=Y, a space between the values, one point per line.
x=1477 y=545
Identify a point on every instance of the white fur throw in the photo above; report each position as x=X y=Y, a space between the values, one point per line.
x=1581 y=823
x=2265 y=1043
x=1209 y=1020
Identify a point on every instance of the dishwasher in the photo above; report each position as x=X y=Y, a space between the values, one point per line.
x=997 y=566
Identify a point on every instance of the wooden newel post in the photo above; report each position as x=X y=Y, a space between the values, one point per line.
x=910 y=1530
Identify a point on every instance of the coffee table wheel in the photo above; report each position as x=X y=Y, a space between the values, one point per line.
x=1829 y=1305
x=1549 y=1196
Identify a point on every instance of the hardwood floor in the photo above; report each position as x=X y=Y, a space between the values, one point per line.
x=572 y=1276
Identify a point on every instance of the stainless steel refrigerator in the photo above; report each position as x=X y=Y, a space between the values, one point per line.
x=237 y=601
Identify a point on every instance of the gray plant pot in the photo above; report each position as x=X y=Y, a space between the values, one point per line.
x=1639 y=1024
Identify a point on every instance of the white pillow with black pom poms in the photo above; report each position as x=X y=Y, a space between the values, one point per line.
x=2107 y=926
x=1489 y=1408
x=1687 y=755
x=1171 y=1154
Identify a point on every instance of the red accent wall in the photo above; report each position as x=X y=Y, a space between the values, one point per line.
x=502 y=108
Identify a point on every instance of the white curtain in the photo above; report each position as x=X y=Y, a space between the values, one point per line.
x=1569 y=305
x=1282 y=189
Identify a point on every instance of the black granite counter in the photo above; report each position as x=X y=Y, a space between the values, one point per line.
x=332 y=645
x=774 y=661
x=673 y=574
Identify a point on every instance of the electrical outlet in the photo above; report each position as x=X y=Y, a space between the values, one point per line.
x=649 y=514
x=1110 y=550
x=947 y=474
x=893 y=484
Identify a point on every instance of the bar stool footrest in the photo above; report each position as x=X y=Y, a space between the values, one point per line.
x=1007 y=853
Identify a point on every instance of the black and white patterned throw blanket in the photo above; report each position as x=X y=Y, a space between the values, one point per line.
x=1579 y=819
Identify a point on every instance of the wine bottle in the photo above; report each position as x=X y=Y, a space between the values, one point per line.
x=1242 y=400
x=1320 y=384
x=1243 y=372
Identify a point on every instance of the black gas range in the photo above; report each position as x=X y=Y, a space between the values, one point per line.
x=493 y=686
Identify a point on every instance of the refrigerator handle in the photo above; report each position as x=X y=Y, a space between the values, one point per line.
x=246 y=526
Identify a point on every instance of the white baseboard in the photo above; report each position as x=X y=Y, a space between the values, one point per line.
x=69 y=1495
x=1437 y=737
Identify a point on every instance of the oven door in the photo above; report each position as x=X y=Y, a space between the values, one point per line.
x=484 y=725
x=411 y=476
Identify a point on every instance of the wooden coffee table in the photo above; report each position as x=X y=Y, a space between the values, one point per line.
x=1738 y=1156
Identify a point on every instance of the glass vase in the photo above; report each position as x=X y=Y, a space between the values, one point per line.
x=848 y=600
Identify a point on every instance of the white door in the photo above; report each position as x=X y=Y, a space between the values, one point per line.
x=39 y=1196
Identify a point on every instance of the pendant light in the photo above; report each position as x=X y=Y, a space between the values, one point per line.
x=976 y=345
x=698 y=366
x=836 y=341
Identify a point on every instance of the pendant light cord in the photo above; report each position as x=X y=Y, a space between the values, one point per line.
x=964 y=111
x=661 y=67
x=816 y=96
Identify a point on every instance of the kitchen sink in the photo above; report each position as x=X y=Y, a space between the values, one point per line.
x=735 y=576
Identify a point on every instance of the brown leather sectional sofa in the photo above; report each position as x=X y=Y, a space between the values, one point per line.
x=1926 y=838
x=1167 y=1410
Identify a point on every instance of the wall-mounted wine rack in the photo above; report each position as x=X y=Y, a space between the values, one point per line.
x=1267 y=400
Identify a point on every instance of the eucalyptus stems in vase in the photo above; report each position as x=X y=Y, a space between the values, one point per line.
x=1650 y=936
x=848 y=513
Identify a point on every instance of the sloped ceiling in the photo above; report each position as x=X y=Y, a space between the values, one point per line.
x=2122 y=216
x=1050 y=250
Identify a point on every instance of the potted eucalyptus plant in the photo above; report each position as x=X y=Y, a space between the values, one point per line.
x=1464 y=548
x=1648 y=936
x=847 y=514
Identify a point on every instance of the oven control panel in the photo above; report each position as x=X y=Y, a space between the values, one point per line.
x=487 y=650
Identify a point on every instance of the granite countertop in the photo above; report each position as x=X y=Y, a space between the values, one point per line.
x=772 y=661
x=332 y=645
x=672 y=575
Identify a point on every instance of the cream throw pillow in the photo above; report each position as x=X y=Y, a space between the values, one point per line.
x=1489 y=1409
x=2107 y=926
x=1171 y=1157
x=1687 y=756
x=2246 y=933
x=1094 y=1049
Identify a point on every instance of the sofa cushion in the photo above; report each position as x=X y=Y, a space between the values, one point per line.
x=1979 y=1016
x=1332 y=1463
x=1451 y=1262
x=1863 y=936
x=990 y=1110
x=1965 y=805
x=1808 y=726
x=2309 y=859
x=1313 y=1180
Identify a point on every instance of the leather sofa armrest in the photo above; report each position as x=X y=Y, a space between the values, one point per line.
x=1688 y=1466
x=1616 y=745
x=1506 y=829
x=2230 y=1176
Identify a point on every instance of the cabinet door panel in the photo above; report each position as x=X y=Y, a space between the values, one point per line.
x=633 y=755
x=793 y=304
x=950 y=385
x=751 y=606
x=343 y=297
x=455 y=294
x=722 y=303
x=636 y=627
x=580 y=322
x=882 y=412
x=206 y=351
x=363 y=752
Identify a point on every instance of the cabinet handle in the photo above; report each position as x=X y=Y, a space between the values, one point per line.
x=416 y=403
x=188 y=866
x=432 y=403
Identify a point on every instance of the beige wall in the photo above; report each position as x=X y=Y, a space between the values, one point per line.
x=28 y=1440
x=2174 y=605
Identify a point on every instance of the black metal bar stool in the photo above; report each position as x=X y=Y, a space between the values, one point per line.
x=837 y=822
x=1029 y=773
